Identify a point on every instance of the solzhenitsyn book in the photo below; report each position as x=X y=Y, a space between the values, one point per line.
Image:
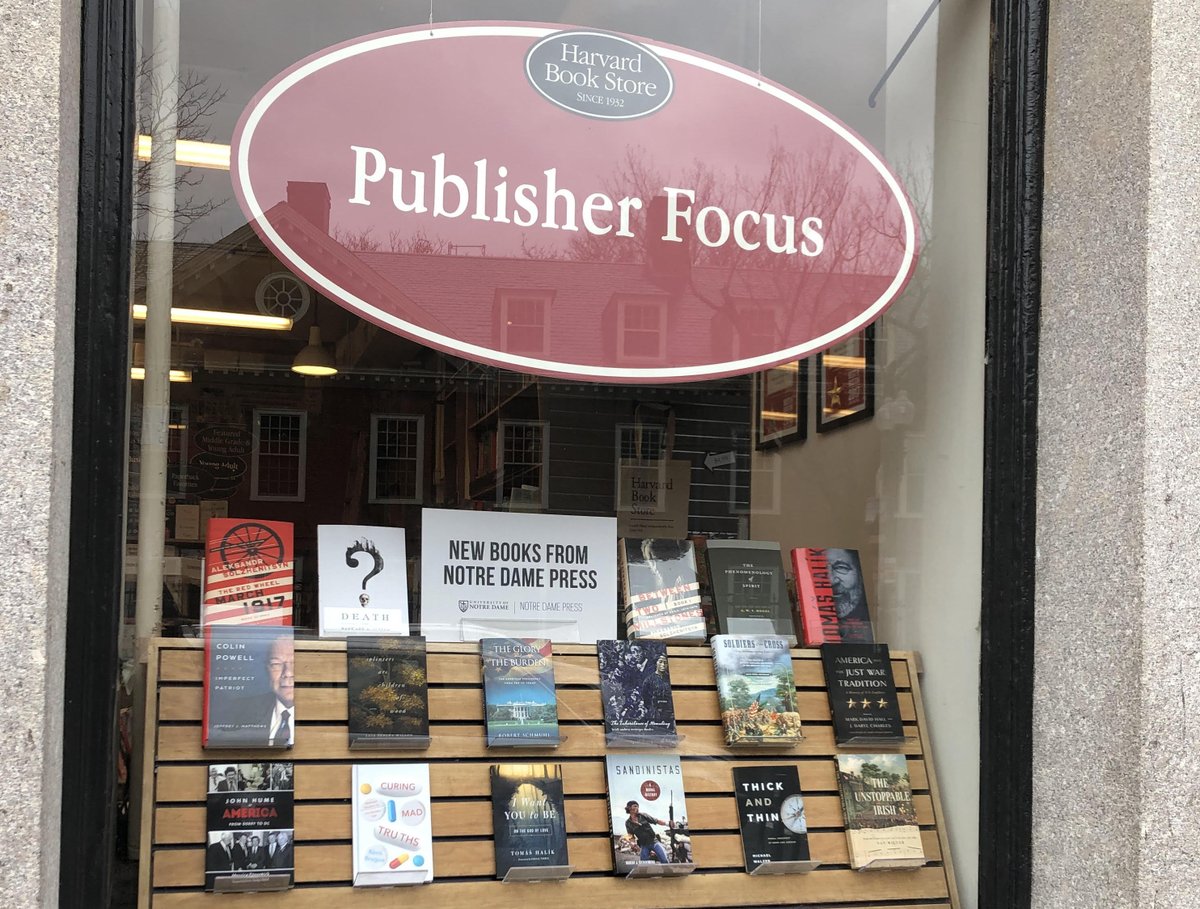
x=881 y=820
x=249 y=687
x=832 y=598
x=757 y=690
x=862 y=694
x=528 y=817
x=771 y=814
x=647 y=810
x=660 y=590
x=248 y=572
x=250 y=829
x=393 y=834
x=518 y=690
x=635 y=691
x=387 y=692
x=749 y=588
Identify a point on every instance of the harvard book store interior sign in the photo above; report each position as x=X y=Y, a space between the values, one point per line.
x=572 y=203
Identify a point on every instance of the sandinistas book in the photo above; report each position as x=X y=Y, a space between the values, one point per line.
x=881 y=820
x=393 y=834
x=250 y=828
x=749 y=588
x=757 y=690
x=248 y=572
x=387 y=692
x=771 y=814
x=862 y=694
x=249 y=687
x=832 y=599
x=635 y=691
x=528 y=818
x=660 y=590
x=648 y=813
x=518 y=689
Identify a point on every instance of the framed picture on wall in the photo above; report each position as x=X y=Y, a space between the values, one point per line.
x=781 y=414
x=846 y=381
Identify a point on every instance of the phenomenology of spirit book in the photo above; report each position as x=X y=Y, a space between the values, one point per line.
x=749 y=588
x=528 y=817
x=635 y=691
x=757 y=690
x=393 y=834
x=771 y=814
x=518 y=689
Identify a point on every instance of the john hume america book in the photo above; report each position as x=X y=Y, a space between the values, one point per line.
x=635 y=691
x=249 y=841
x=528 y=818
x=387 y=691
x=660 y=590
x=518 y=691
x=881 y=820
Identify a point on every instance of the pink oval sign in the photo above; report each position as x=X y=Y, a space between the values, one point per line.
x=572 y=203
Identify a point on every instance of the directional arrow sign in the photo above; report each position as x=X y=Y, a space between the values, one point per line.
x=724 y=459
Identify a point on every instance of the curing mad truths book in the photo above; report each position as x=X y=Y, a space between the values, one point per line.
x=518 y=689
x=757 y=690
x=249 y=839
x=387 y=691
x=771 y=814
x=660 y=590
x=635 y=691
x=393 y=834
x=528 y=817
x=647 y=811
x=749 y=588
x=881 y=820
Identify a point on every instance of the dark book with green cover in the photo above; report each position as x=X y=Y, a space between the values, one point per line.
x=518 y=692
x=862 y=694
x=388 y=692
x=757 y=690
x=750 y=589
x=528 y=819
x=771 y=815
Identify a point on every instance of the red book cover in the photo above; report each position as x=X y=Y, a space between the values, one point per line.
x=831 y=597
x=248 y=572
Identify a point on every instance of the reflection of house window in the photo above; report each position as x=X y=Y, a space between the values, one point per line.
x=640 y=442
x=641 y=330
x=524 y=468
x=397 y=458
x=524 y=322
x=278 y=459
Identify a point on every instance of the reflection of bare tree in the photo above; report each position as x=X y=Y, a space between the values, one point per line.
x=197 y=103
x=416 y=244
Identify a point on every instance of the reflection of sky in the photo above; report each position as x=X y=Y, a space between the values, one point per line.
x=830 y=51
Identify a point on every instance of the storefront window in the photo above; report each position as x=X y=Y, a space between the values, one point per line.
x=528 y=305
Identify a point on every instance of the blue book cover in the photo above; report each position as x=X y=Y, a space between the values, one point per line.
x=518 y=690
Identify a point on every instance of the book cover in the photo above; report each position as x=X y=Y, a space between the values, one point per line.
x=387 y=692
x=518 y=690
x=749 y=589
x=771 y=814
x=635 y=691
x=362 y=580
x=862 y=693
x=250 y=828
x=877 y=802
x=647 y=810
x=700 y=548
x=393 y=834
x=249 y=687
x=248 y=572
x=528 y=816
x=831 y=597
x=660 y=590
x=757 y=690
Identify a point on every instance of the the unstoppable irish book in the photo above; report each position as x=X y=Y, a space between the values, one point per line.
x=387 y=692
x=635 y=692
x=528 y=817
x=881 y=820
x=771 y=814
x=757 y=690
x=862 y=694
x=518 y=690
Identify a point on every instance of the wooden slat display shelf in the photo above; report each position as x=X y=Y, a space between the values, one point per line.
x=173 y=832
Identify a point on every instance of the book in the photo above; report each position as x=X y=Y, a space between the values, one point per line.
x=392 y=831
x=660 y=590
x=757 y=690
x=749 y=590
x=249 y=687
x=700 y=548
x=249 y=843
x=528 y=817
x=635 y=691
x=862 y=693
x=387 y=692
x=647 y=811
x=832 y=600
x=248 y=572
x=771 y=814
x=877 y=803
x=518 y=691
x=362 y=580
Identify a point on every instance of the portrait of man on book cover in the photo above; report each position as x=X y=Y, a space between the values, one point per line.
x=254 y=700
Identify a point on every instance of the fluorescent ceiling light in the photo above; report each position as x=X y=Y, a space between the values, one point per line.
x=221 y=319
x=779 y=415
x=138 y=374
x=836 y=361
x=190 y=152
